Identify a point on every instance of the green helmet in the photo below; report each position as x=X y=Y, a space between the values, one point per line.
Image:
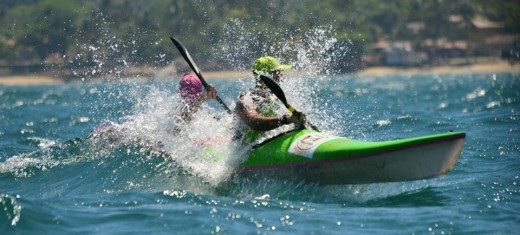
x=268 y=64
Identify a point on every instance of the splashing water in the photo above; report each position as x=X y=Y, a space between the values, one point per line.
x=202 y=147
x=112 y=58
x=148 y=111
x=312 y=54
x=11 y=208
x=151 y=119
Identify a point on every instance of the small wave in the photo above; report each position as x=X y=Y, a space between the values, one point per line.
x=493 y=104
x=24 y=166
x=421 y=192
x=442 y=105
x=11 y=210
x=475 y=94
x=42 y=142
x=385 y=122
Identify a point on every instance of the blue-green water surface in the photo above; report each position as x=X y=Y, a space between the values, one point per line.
x=52 y=182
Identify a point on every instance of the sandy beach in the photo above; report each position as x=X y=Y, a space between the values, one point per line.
x=496 y=66
x=29 y=80
x=493 y=66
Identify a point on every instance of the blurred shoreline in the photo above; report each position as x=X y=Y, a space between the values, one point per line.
x=494 y=66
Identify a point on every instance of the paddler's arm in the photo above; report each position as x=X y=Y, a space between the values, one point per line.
x=257 y=122
x=188 y=111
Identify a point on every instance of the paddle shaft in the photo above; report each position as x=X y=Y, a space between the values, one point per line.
x=277 y=90
x=193 y=66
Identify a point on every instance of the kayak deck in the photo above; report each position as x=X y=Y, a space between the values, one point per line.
x=317 y=157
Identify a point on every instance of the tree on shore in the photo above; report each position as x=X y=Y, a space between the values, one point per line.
x=135 y=32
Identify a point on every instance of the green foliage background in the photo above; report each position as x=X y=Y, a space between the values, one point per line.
x=136 y=32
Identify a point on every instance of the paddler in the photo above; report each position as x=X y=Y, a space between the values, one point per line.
x=192 y=97
x=192 y=94
x=257 y=108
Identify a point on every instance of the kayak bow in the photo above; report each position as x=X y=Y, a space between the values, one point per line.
x=317 y=157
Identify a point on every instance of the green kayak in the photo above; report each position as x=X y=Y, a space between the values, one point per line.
x=317 y=157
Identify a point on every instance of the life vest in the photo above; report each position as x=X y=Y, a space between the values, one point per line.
x=266 y=105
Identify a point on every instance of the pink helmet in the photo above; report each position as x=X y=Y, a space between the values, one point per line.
x=190 y=88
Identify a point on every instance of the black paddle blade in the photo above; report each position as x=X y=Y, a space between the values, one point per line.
x=184 y=52
x=193 y=66
x=275 y=88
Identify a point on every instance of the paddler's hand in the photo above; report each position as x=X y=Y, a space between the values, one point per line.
x=211 y=94
x=298 y=118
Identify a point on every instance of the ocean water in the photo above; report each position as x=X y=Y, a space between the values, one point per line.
x=53 y=181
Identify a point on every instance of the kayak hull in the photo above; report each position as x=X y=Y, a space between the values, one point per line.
x=316 y=157
x=338 y=160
